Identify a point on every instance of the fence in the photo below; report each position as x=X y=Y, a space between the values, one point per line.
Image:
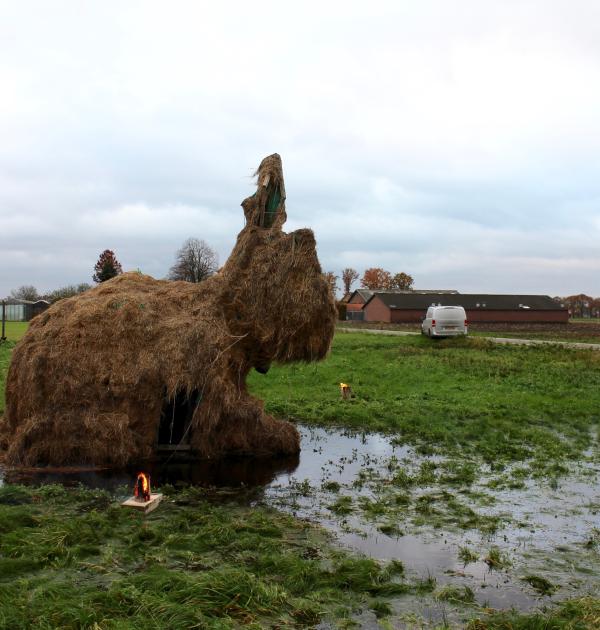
x=19 y=311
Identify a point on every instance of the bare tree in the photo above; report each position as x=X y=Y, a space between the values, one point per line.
x=194 y=262
x=579 y=305
x=66 y=292
x=349 y=276
x=26 y=292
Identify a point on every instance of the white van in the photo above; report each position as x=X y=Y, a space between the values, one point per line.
x=445 y=321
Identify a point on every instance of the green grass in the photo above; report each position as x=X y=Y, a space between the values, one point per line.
x=466 y=555
x=540 y=584
x=495 y=559
x=575 y=614
x=558 y=335
x=584 y=320
x=15 y=330
x=572 y=332
x=456 y=594
x=457 y=397
x=5 y=353
x=75 y=558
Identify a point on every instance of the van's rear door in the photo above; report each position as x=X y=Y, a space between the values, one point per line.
x=451 y=319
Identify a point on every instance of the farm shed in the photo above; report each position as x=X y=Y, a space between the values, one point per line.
x=22 y=310
x=356 y=300
x=480 y=307
x=355 y=304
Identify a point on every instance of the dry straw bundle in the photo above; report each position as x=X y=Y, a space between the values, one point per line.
x=90 y=380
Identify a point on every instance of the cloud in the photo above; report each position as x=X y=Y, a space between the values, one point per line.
x=456 y=141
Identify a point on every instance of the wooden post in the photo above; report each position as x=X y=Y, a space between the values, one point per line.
x=3 y=336
x=346 y=391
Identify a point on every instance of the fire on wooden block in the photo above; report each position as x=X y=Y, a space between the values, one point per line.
x=142 y=487
x=143 y=499
x=346 y=391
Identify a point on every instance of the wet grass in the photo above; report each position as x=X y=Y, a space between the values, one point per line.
x=540 y=584
x=5 y=353
x=398 y=497
x=467 y=556
x=575 y=614
x=74 y=558
x=495 y=559
x=456 y=594
x=463 y=398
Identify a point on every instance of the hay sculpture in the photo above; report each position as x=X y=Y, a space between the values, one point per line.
x=91 y=379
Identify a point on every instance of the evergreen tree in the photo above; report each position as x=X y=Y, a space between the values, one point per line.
x=107 y=266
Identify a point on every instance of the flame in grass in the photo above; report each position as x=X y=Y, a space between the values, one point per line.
x=346 y=391
x=142 y=487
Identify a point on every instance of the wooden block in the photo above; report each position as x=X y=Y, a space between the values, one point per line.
x=347 y=393
x=143 y=506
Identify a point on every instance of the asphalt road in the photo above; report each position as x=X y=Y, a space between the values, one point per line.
x=506 y=340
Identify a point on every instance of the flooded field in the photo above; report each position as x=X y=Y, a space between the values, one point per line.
x=479 y=537
x=517 y=548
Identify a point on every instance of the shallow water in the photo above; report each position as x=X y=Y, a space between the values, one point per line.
x=544 y=533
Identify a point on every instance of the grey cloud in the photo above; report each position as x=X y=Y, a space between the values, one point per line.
x=408 y=131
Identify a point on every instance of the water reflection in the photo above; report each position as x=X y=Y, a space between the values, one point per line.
x=177 y=471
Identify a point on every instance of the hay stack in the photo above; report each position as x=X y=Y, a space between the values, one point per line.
x=89 y=380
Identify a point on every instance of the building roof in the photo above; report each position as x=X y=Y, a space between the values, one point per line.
x=470 y=301
x=365 y=294
x=17 y=301
x=440 y=291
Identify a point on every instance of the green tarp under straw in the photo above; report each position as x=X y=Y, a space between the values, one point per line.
x=273 y=202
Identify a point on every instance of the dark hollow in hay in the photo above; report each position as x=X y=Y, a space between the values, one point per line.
x=94 y=375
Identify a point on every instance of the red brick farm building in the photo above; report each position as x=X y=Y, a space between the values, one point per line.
x=411 y=307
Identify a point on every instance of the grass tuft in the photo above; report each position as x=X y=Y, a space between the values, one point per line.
x=456 y=594
x=540 y=584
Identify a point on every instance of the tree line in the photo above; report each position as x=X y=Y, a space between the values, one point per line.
x=580 y=305
x=195 y=261
x=374 y=278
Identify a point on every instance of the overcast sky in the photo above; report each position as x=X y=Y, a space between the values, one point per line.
x=456 y=141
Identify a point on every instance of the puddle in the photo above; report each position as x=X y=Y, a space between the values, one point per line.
x=543 y=531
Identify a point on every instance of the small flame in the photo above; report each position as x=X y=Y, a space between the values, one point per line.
x=142 y=487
